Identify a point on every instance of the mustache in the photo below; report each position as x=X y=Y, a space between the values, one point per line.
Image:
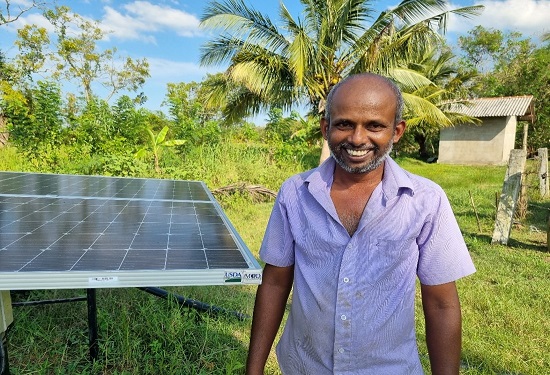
x=360 y=148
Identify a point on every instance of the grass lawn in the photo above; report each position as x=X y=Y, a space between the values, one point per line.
x=505 y=304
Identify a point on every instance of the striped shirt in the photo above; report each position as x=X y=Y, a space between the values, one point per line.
x=353 y=297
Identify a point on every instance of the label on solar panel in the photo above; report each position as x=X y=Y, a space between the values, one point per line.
x=65 y=231
x=252 y=277
x=233 y=277
x=105 y=279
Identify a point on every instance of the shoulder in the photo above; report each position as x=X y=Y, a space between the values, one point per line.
x=294 y=183
x=316 y=176
x=423 y=184
x=419 y=186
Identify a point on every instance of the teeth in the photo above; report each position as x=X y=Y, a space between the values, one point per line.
x=356 y=152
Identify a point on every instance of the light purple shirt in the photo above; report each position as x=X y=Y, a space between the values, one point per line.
x=353 y=298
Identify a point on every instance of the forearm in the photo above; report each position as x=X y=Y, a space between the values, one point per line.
x=269 y=308
x=443 y=331
x=443 y=337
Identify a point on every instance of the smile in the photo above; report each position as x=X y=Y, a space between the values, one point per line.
x=356 y=152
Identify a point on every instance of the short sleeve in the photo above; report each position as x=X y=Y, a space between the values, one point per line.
x=443 y=255
x=278 y=243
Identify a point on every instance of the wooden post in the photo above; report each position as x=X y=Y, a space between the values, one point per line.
x=525 y=133
x=543 y=172
x=509 y=197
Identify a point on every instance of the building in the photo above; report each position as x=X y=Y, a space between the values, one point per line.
x=492 y=140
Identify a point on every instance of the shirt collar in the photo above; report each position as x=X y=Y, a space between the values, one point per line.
x=394 y=178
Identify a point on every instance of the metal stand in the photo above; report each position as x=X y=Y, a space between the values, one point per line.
x=92 y=318
x=92 y=324
x=4 y=368
x=92 y=315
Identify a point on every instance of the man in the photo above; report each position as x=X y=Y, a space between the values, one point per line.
x=351 y=236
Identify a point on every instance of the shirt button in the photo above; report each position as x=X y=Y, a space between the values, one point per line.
x=346 y=280
x=343 y=317
x=341 y=350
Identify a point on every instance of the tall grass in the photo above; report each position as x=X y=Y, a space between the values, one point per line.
x=505 y=303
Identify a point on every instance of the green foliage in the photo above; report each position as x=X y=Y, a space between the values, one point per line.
x=193 y=121
x=11 y=160
x=129 y=123
x=96 y=126
x=488 y=49
x=519 y=68
x=293 y=138
x=447 y=83
x=279 y=128
x=34 y=120
x=278 y=65
x=47 y=112
x=76 y=56
x=15 y=109
x=155 y=145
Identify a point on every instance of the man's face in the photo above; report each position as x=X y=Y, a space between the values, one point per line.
x=361 y=132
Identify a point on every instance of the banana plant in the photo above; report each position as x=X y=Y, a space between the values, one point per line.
x=156 y=142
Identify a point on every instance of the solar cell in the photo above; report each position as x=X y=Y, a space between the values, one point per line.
x=67 y=231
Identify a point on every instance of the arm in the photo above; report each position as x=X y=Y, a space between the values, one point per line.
x=271 y=299
x=443 y=327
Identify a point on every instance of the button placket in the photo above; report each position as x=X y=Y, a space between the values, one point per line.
x=343 y=311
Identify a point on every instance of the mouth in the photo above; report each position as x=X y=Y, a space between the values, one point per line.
x=356 y=153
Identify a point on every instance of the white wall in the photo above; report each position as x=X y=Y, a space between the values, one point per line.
x=488 y=143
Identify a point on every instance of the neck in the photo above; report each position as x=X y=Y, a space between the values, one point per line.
x=344 y=178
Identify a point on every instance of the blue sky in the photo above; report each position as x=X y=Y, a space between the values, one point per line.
x=167 y=33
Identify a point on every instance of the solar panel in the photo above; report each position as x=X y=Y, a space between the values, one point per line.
x=68 y=231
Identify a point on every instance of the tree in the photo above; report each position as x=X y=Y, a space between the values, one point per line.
x=303 y=59
x=34 y=117
x=449 y=83
x=7 y=15
x=75 y=55
x=488 y=49
x=194 y=121
x=521 y=69
x=129 y=122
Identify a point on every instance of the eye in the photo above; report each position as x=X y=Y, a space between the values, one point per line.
x=376 y=126
x=342 y=125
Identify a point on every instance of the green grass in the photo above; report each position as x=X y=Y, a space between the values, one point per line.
x=505 y=303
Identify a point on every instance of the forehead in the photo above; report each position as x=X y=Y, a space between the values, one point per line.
x=368 y=92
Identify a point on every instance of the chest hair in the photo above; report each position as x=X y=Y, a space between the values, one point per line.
x=350 y=205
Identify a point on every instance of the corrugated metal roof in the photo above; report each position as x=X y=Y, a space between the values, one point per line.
x=495 y=107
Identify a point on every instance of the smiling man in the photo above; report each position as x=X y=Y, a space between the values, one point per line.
x=351 y=237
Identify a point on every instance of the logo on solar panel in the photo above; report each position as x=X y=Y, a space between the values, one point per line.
x=233 y=277
x=252 y=277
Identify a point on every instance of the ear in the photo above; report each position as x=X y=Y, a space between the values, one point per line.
x=324 y=127
x=399 y=130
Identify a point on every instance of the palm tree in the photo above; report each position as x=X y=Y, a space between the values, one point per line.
x=449 y=86
x=301 y=60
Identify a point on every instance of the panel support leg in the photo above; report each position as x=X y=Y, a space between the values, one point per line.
x=92 y=324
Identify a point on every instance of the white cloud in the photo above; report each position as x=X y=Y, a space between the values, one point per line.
x=141 y=18
x=530 y=17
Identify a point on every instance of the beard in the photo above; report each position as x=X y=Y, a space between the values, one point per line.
x=380 y=154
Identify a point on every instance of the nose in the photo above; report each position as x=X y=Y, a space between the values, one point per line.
x=358 y=136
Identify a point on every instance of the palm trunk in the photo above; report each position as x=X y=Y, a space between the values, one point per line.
x=325 y=152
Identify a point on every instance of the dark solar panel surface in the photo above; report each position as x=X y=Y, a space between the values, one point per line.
x=65 y=223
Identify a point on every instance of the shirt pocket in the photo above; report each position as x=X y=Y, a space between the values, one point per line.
x=389 y=262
